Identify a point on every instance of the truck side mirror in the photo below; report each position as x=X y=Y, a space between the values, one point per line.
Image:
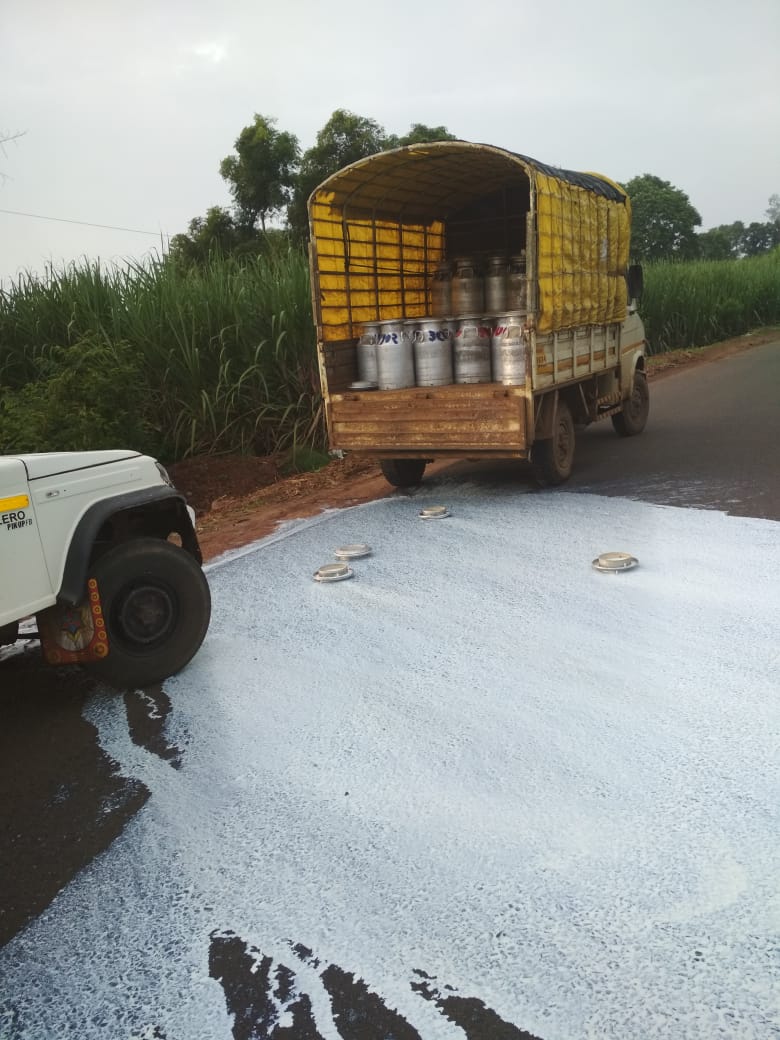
x=635 y=280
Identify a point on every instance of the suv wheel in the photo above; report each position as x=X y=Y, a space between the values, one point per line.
x=156 y=605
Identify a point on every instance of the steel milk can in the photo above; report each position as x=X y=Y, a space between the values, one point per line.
x=441 y=291
x=366 y=353
x=394 y=356
x=508 y=349
x=496 y=284
x=517 y=285
x=468 y=293
x=471 y=350
x=433 y=352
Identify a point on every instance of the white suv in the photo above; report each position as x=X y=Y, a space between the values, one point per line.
x=102 y=549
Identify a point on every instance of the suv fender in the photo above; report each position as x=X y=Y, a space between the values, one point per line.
x=151 y=512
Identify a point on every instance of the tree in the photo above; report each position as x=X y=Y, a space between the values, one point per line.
x=267 y=173
x=344 y=139
x=663 y=222
x=773 y=209
x=723 y=242
x=217 y=232
x=419 y=133
x=760 y=238
x=262 y=173
x=731 y=241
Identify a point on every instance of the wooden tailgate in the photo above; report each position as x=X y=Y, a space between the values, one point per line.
x=456 y=419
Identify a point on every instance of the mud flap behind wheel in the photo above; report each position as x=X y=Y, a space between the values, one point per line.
x=76 y=634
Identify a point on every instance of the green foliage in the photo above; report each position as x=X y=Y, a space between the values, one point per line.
x=344 y=139
x=723 y=242
x=700 y=302
x=225 y=350
x=216 y=233
x=730 y=241
x=268 y=175
x=179 y=359
x=56 y=310
x=419 y=133
x=90 y=395
x=303 y=459
x=663 y=220
x=759 y=238
x=262 y=172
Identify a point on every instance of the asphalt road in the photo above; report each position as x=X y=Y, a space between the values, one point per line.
x=711 y=443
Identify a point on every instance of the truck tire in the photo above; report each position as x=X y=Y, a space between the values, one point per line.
x=403 y=472
x=552 y=458
x=156 y=605
x=633 y=418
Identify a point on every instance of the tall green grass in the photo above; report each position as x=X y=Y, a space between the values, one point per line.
x=698 y=302
x=226 y=352
x=221 y=358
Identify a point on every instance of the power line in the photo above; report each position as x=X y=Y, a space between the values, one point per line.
x=84 y=223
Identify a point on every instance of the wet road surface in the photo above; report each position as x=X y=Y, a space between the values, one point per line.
x=63 y=799
x=711 y=443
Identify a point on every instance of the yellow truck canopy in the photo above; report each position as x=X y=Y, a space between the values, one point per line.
x=380 y=227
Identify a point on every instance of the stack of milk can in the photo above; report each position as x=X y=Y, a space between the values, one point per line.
x=474 y=335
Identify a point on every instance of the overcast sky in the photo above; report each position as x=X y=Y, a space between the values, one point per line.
x=127 y=109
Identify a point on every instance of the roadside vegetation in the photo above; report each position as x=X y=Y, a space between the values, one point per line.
x=174 y=359
x=210 y=349
x=185 y=359
x=698 y=302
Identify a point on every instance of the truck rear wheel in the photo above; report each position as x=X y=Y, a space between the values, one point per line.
x=156 y=605
x=403 y=472
x=552 y=458
x=633 y=418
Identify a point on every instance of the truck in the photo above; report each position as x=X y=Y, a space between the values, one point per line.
x=381 y=229
x=102 y=550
